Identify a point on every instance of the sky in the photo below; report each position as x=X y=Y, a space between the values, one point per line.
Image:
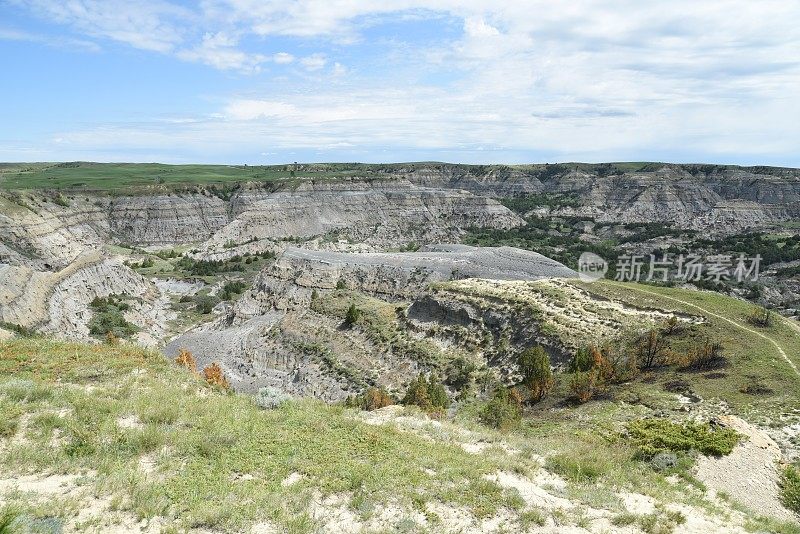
x=469 y=81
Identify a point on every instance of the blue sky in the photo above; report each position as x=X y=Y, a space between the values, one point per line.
x=506 y=81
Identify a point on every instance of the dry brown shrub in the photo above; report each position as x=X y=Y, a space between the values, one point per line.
x=215 y=377
x=185 y=359
x=375 y=399
x=585 y=384
x=111 y=338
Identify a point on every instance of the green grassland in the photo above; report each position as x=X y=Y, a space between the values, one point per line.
x=204 y=440
x=111 y=176
x=751 y=356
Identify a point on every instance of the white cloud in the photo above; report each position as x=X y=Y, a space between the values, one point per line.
x=149 y=25
x=283 y=58
x=245 y=110
x=219 y=50
x=477 y=27
x=11 y=34
x=314 y=61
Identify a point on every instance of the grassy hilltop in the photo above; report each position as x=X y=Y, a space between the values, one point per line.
x=110 y=176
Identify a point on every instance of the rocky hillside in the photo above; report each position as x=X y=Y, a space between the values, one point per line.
x=348 y=284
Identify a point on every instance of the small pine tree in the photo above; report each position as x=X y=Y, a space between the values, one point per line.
x=417 y=394
x=352 y=315
x=581 y=360
x=536 y=373
x=438 y=394
x=651 y=350
x=601 y=363
x=185 y=359
x=215 y=377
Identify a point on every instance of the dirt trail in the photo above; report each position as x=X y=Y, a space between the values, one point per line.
x=734 y=323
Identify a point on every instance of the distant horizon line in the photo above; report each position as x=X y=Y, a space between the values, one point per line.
x=418 y=162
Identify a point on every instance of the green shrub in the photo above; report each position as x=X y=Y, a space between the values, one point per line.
x=653 y=436
x=581 y=361
x=417 y=394
x=427 y=394
x=108 y=317
x=460 y=373
x=504 y=410
x=352 y=316
x=10 y=520
x=534 y=364
x=790 y=488
x=205 y=303
x=760 y=317
x=111 y=321
x=232 y=289
x=437 y=393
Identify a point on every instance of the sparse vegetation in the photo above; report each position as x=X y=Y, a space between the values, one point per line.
x=790 y=488
x=270 y=398
x=372 y=399
x=217 y=438
x=504 y=410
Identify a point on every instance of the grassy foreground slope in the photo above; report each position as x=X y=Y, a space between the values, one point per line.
x=97 y=436
x=153 y=441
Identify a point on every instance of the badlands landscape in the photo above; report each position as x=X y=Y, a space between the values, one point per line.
x=398 y=347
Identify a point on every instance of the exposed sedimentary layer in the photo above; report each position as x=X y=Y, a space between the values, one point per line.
x=397 y=274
